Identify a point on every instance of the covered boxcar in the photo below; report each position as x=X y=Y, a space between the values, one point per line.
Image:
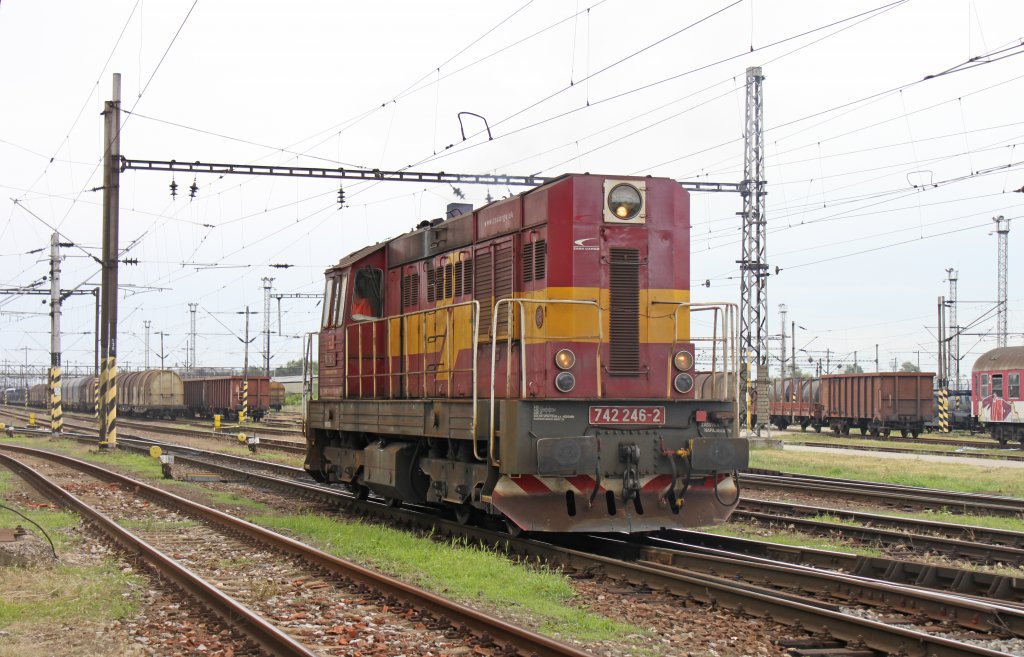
x=277 y=395
x=877 y=402
x=39 y=396
x=996 y=397
x=150 y=393
x=222 y=395
x=15 y=396
x=79 y=394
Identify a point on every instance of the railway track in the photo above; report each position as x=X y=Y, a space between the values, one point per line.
x=895 y=495
x=316 y=577
x=706 y=576
x=907 y=450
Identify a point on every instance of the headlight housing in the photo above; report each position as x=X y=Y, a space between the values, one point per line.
x=565 y=359
x=625 y=201
x=683 y=383
x=683 y=360
x=565 y=381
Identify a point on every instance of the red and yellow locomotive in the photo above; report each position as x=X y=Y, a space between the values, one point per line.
x=532 y=360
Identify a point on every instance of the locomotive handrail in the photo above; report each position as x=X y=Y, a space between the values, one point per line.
x=307 y=377
x=404 y=320
x=521 y=303
x=726 y=311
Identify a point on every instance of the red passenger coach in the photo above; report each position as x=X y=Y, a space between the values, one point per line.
x=996 y=393
x=533 y=361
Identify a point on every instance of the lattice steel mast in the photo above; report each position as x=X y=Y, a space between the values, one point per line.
x=753 y=265
x=1003 y=231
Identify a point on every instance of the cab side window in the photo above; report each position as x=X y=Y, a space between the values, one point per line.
x=368 y=293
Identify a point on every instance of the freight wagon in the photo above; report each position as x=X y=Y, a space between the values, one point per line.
x=222 y=395
x=277 y=395
x=39 y=396
x=876 y=403
x=150 y=393
x=15 y=396
x=79 y=394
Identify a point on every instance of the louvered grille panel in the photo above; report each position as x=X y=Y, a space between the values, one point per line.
x=432 y=276
x=484 y=289
x=527 y=262
x=540 y=260
x=504 y=268
x=458 y=279
x=448 y=281
x=406 y=291
x=624 y=293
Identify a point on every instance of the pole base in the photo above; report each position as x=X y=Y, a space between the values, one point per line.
x=107 y=446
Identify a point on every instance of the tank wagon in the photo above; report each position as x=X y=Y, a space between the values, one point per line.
x=796 y=402
x=222 y=395
x=277 y=395
x=996 y=394
x=875 y=403
x=532 y=361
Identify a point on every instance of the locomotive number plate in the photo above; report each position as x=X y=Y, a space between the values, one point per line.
x=646 y=415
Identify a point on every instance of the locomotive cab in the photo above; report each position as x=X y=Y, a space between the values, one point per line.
x=533 y=361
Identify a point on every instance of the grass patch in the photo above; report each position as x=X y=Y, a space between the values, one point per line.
x=65 y=594
x=836 y=520
x=943 y=515
x=948 y=476
x=792 y=538
x=462 y=572
x=234 y=499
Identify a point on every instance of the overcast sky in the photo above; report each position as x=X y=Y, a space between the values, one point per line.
x=878 y=180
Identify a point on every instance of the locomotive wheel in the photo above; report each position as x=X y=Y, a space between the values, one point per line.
x=514 y=530
x=464 y=514
x=393 y=502
x=361 y=492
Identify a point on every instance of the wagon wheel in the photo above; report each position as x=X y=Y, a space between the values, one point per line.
x=845 y=430
x=903 y=433
x=875 y=432
x=886 y=432
x=803 y=426
x=915 y=433
x=864 y=430
x=817 y=428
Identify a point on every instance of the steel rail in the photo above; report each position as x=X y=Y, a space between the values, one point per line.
x=525 y=642
x=930 y=497
x=965 y=549
x=907 y=450
x=272 y=640
x=967 y=612
x=984 y=585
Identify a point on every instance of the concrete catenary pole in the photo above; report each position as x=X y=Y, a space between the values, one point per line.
x=943 y=372
x=146 y=323
x=108 y=321
x=56 y=412
x=192 y=336
x=245 y=373
x=267 y=287
x=953 y=343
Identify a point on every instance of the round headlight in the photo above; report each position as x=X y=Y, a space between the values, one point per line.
x=565 y=359
x=565 y=381
x=683 y=383
x=683 y=360
x=624 y=201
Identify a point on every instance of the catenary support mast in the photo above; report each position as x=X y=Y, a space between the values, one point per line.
x=108 y=321
x=753 y=261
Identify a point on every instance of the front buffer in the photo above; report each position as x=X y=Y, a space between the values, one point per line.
x=563 y=473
